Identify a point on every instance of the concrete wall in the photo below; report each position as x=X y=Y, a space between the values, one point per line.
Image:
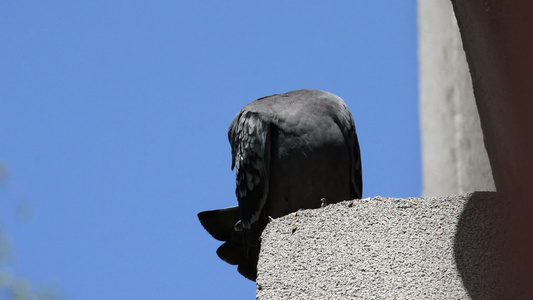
x=454 y=158
x=386 y=248
x=498 y=40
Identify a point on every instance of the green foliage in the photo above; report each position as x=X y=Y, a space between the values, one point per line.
x=14 y=287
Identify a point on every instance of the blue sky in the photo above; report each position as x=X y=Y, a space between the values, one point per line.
x=114 y=118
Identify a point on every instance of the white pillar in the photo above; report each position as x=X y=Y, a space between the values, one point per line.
x=454 y=158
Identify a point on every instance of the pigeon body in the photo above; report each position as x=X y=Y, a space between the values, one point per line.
x=290 y=151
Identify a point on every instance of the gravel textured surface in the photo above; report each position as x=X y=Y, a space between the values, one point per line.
x=385 y=248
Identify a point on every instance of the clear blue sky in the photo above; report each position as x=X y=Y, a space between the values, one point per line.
x=114 y=118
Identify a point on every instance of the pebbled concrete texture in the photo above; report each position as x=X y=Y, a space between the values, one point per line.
x=386 y=248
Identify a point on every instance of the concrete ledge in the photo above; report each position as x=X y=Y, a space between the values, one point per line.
x=386 y=248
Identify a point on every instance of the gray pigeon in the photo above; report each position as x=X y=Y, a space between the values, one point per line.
x=291 y=151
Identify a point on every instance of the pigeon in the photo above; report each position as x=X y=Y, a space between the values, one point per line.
x=290 y=151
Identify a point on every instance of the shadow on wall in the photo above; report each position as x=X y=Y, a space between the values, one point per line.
x=478 y=247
